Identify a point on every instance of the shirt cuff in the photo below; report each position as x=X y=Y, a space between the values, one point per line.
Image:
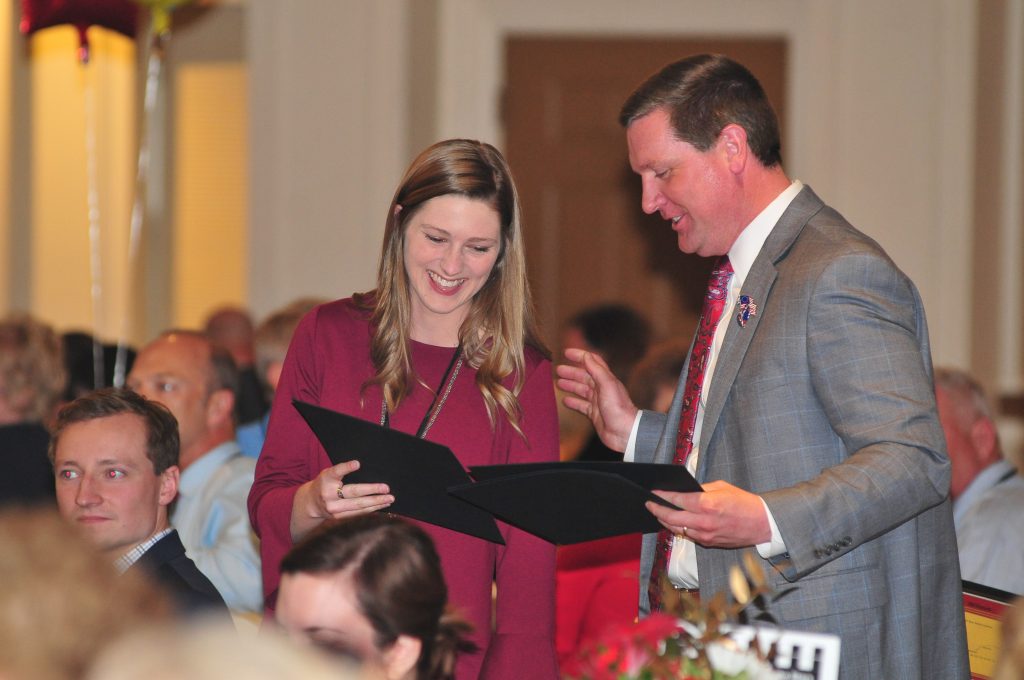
x=775 y=546
x=630 y=453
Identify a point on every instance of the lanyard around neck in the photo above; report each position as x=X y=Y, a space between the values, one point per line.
x=440 y=397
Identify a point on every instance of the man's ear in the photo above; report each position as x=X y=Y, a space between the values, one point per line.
x=732 y=141
x=220 y=407
x=401 y=657
x=169 y=479
x=985 y=438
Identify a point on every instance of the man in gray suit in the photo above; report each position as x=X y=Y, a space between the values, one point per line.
x=816 y=437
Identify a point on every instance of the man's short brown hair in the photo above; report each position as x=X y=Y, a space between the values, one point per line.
x=704 y=93
x=162 y=442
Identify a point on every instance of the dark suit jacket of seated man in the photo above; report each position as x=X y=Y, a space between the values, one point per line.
x=115 y=457
x=166 y=562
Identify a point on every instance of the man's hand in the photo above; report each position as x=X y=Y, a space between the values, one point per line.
x=597 y=394
x=723 y=516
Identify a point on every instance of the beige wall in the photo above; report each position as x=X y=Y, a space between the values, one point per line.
x=209 y=234
x=328 y=142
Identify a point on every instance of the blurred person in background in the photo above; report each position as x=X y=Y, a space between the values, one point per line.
x=196 y=379
x=232 y=328
x=618 y=334
x=83 y=354
x=271 y=340
x=32 y=379
x=63 y=603
x=1010 y=662
x=212 y=651
x=987 y=490
x=653 y=381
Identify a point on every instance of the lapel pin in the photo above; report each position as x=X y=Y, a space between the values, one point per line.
x=748 y=308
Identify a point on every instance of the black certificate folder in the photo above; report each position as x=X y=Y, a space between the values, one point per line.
x=417 y=471
x=566 y=503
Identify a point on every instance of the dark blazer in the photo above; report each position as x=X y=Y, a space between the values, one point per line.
x=192 y=592
x=823 y=405
x=27 y=474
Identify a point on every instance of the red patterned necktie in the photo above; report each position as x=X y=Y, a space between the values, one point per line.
x=714 y=304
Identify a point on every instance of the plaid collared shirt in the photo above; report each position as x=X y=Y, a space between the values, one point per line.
x=132 y=556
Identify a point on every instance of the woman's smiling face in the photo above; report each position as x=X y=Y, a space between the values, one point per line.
x=451 y=245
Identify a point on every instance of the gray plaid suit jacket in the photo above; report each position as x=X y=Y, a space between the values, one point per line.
x=823 y=404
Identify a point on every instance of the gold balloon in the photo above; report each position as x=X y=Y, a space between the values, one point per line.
x=160 y=13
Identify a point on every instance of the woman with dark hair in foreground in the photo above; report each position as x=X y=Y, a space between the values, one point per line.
x=371 y=587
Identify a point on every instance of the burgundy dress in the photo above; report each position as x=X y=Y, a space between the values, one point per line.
x=328 y=361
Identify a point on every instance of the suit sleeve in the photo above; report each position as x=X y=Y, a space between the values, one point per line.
x=870 y=371
x=523 y=642
x=648 y=434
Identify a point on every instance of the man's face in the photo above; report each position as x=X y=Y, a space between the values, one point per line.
x=962 y=455
x=106 y=485
x=174 y=371
x=690 y=188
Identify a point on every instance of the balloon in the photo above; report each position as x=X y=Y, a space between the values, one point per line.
x=160 y=11
x=117 y=15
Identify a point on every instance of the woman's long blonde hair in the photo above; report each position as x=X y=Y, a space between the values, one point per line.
x=500 y=321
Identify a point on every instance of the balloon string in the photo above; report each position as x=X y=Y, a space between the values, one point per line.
x=154 y=61
x=93 y=211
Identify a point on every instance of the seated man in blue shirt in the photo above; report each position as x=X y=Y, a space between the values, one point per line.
x=197 y=381
x=115 y=455
x=987 y=490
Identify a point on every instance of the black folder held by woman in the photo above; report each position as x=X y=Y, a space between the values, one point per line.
x=563 y=503
x=417 y=471
x=572 y=502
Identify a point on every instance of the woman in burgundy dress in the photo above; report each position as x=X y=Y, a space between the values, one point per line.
x=445 y=348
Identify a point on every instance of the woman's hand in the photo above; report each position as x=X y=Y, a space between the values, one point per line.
x=327 y=495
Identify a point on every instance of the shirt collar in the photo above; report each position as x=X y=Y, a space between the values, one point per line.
x=195 y=475
x=750 y=241
x=125 y=561
x=984 y=481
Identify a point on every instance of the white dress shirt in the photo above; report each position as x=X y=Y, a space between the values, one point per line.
x=682 y=567
x=982 y=482
x=990 y=536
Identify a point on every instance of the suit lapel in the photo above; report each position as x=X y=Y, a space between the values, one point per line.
x=161 y=552
x=758 y=286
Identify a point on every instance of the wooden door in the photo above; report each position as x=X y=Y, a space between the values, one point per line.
x=587 y=239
